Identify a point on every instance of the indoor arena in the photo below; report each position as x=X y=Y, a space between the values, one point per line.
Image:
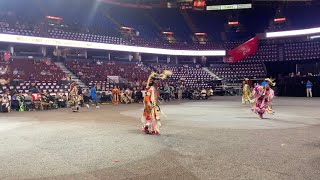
x=159 y=89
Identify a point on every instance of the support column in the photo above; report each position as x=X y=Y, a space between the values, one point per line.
x=109 y=56
x=168 y=59
x=194 y=60
x=43 y=51
x=85 y=54
x=11 y=49
x=176 y=59
x=204 y=60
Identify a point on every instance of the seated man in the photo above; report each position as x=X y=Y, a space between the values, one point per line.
x=44 y=102
x=62 y=101
x=14 y=102
x=28 y=102
x=51 y=101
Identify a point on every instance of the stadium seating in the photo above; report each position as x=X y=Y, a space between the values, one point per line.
x=302 y=51
x=47 y=76
x=85 y=37
x=239 y=71
x=90 y=70
x=264 y=53
x=189 y=75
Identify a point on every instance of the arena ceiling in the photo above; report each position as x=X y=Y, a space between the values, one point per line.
x=211 y=2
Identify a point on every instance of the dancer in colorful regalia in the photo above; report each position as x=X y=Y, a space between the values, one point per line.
x=263 y=95
x=245 y=92
x=115 y=95
x=151 y=115
x=74 y=98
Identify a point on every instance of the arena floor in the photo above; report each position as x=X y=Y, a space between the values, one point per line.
x=214 y=139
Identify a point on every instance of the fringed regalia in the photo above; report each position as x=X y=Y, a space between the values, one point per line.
x=74 y=98
x=115 y=95
x=245 y=92
x=150 y=118
x=263 y=95
x=20 y=99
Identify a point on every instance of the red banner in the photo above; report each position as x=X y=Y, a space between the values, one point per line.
x=242 y=51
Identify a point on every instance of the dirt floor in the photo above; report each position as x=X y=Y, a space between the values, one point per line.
x=212 y=139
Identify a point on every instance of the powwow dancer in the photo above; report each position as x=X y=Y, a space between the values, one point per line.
x=263 y=95
x=115 y=95
x=74 y=97
x=245 y=92
x=150 y=118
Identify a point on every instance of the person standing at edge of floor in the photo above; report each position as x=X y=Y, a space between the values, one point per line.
x=309 y=88
x=94 y=97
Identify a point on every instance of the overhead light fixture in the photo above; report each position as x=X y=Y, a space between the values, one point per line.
x=315 y=37
x=200 y=34
x=279 y=19
x=292 y=33
x=233 y=23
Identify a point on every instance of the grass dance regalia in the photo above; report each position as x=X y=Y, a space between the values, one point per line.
x=74 y=98
x=20 y=99
x=151 y=119
x=263 y=95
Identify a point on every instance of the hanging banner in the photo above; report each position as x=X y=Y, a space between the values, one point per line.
x=242 y=51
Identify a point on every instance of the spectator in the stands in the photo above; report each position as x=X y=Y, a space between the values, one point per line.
x=43 y=72
x=28 y=102
x=31 y=77
x=15 y=72
x=49 y=73
x=14 y=101
x=33 y=88
x=99 y=62
x=109 y=96
x=4 y=81
x=3 y=70
x=166 y=90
